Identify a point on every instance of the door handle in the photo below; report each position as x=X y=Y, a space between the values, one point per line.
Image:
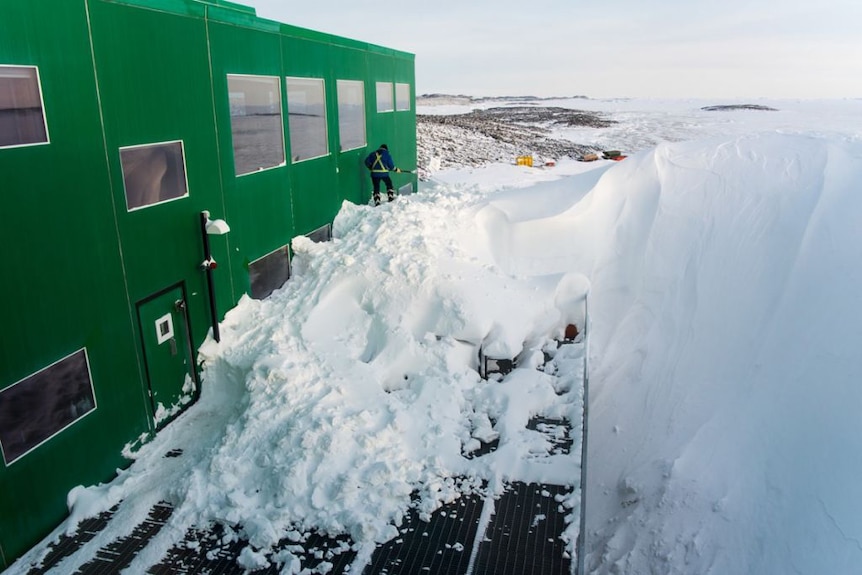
x=173 y=346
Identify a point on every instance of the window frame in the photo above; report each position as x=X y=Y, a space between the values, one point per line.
x=364 y=143
x=281 y=113
x=286 y=249
x=95 y=407
x=408 y=108
x=41 y=102
x=148 y=145
x=322 y=82
x=391 y=97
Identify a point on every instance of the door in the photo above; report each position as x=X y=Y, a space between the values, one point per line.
x=167 y=353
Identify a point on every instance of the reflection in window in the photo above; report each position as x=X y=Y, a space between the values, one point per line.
x=351 y=114
x=22 y=120
x=44 y=404
x=153 y=173
x=255 y=122
x=269 y=273
x=402 y=97
x=384 y=97
x=321 y=234
x=306 y=117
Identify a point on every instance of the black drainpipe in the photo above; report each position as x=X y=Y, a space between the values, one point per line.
x=208 y=265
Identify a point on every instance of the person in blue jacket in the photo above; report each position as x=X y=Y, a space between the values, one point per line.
x=380 y=163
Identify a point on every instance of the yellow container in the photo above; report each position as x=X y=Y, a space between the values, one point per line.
x=524 y=161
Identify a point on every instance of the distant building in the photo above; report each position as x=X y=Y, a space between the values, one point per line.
x=121 y=122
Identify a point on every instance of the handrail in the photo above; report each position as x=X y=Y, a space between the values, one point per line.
x=582 y=532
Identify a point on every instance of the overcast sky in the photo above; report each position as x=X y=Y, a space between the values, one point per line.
x=626 y=48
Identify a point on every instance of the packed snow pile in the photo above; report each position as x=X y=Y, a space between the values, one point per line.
x=361 y=382
x=352 y=394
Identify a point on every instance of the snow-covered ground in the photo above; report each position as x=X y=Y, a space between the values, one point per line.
x=642 y=124
x=722 y=261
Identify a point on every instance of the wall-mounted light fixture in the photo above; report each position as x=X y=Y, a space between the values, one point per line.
x=215 y=227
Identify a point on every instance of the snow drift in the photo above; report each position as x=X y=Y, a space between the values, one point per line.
x=727 y=322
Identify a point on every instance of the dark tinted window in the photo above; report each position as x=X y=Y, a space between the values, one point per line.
x=321 y=234
x=153 y=173
x=22 y=120
x=269 y=273
x=44 y=404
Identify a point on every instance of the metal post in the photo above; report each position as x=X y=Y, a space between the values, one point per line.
x=209 y=272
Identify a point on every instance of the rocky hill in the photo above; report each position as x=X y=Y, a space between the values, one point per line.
x=498 y=135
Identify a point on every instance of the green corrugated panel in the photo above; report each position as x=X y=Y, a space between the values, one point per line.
x=231 y=5
x=237 y=18
x=307 y=34
x=258 y=205
x=63 y=288
x=158 y=91
x=178 y=7
x=86 y=262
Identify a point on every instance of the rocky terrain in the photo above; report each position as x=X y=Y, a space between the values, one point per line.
x=444 y=99
x=498 y=135
x=731 y=107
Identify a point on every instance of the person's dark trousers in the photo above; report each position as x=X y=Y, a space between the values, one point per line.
x=375 y=184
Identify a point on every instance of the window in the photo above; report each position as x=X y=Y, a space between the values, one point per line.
x=153 y=174
x=255 y=123
x=269 y=273
x=384 y=97
x=402 y=97
x=42 y=405
x=306 y=117
x=321 y=234
x=22 y=119
x=351 y=114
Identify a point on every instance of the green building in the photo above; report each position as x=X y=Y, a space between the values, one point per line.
x=123 y=124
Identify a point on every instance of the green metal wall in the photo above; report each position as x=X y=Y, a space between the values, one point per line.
x=258 y=204
x=398 y=128
x=117 y=73
x=63 y=286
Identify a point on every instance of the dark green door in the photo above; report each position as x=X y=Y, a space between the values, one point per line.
x=165 y=336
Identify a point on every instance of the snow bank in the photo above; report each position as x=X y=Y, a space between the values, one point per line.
x=726 y=308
